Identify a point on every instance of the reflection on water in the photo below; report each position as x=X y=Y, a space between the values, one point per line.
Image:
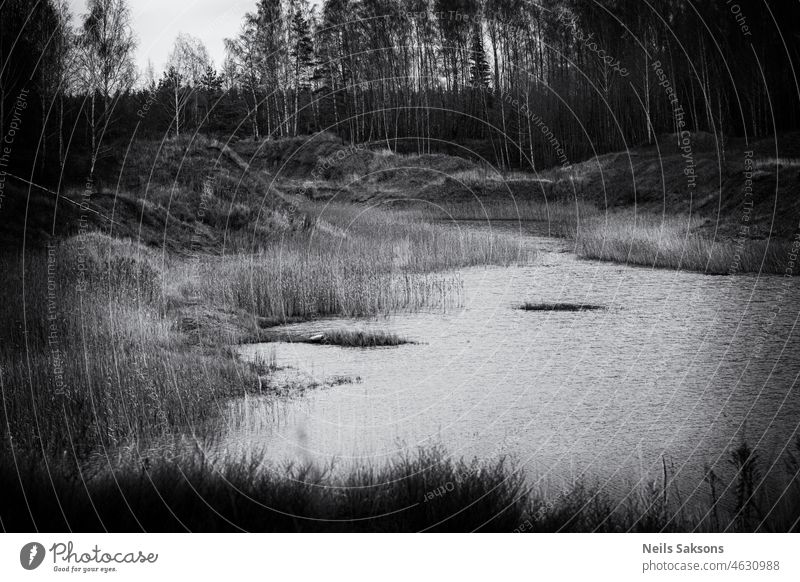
x=679 y=365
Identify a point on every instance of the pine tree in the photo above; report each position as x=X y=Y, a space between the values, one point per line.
x=210 y=90
x=330 y=71
x=302 y=53
x=303 y=48
x=267 y=47
x=479 y=66
x=211 y=82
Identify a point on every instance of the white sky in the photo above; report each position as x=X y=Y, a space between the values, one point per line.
x=157 y=23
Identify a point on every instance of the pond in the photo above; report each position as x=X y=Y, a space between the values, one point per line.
x=676 y=369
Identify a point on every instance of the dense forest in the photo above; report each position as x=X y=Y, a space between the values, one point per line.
x=523 y=84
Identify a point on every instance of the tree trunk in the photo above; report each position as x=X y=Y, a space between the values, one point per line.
x=177 y=114
x=93 y=127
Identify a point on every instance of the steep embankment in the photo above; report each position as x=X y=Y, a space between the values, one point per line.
x=201 y=195
x=321 y=167
x=188 y=195
x=713 y=183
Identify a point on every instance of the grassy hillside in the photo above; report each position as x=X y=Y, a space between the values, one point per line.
x=184 y=195
x=201 y=194
x=649 y=178
x=698 y=205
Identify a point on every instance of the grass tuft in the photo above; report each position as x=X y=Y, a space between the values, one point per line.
x=560 y=307
x=342 y=337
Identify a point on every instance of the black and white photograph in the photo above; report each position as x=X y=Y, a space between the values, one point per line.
x=399 y=266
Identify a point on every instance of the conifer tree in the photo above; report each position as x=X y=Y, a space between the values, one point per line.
x=302 y=53
x=479 y=66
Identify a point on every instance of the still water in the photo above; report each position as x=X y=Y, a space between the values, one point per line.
x=677 y=369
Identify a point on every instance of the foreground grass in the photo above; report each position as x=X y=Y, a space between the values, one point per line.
x=425 y=491
x=196 y=495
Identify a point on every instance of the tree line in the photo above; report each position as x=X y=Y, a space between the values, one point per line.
x=525 y=84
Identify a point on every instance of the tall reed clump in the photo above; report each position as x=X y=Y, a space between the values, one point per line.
x=379 y=264
x=88 y=357
x=672 y=243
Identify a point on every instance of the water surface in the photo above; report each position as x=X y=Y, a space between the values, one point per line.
x=678 y=369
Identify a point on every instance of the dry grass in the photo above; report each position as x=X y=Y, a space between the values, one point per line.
x=671 y=243
x=384 y=263
x=485 y=176
x=361 y=339
x=776 y=163
x=635 y=238
x=101 y=364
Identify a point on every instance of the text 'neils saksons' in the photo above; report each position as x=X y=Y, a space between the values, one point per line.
x=681 y=549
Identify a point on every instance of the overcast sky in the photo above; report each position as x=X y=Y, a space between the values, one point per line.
x=157 y=23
